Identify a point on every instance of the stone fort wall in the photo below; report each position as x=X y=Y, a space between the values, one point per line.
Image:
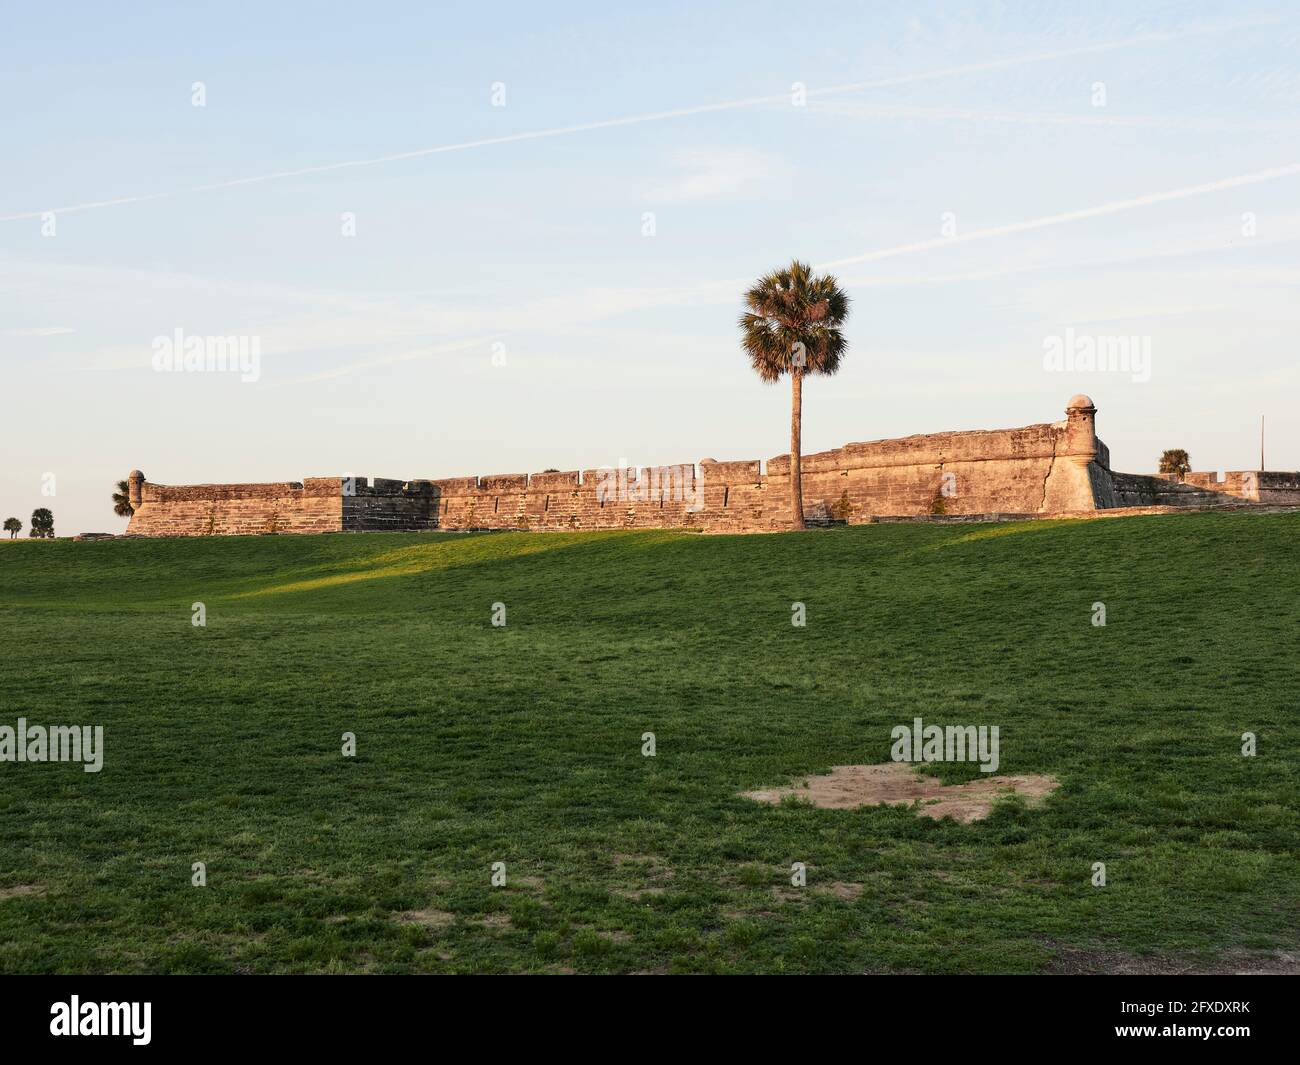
x=1058 y=467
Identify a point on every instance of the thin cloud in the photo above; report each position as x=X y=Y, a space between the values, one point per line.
x=715 y=174
x=1255 y=178
x=1009 y=62
x=393 y=318
x=1147 y=254
x=412 y=355
x=894 y=112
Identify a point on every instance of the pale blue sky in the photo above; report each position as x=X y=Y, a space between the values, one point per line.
x=377 y=349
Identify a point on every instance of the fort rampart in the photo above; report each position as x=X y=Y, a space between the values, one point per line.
x=1051 y=468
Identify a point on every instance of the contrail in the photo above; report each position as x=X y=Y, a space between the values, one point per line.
x=735 y=284
x=1030 y=118
x=726 y=291
x=387 y=360
x=661 y=116
x=1289 y=170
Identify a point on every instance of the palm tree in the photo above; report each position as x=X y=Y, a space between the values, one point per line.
x=792 y=326
x=42 y=524
x=12 y=527
x=122 y=500
x=1175 y=461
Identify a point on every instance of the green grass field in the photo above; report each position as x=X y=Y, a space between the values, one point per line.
x=522 y=744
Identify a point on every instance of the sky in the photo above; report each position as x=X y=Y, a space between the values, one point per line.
x=475 y=239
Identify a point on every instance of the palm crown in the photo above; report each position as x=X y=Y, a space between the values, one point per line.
x=793 y=322
x=122 y=500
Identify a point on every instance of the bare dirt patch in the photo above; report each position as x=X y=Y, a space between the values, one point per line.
x=653 y=875
x=430 y=918
x=896 y=784
x=19 y=890
x=637 y=894
x=493 y=920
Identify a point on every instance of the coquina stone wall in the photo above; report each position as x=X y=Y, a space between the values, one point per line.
x=314 y=505
x=1057 y=467
x=1267 y=487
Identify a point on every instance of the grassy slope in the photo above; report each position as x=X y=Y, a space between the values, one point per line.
x=522 y=745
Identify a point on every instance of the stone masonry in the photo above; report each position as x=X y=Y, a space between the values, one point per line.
x=1051 y=468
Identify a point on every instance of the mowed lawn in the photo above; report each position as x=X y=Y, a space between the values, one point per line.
x=523 y=744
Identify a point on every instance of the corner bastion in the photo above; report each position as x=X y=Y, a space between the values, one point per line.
x=1051 y=468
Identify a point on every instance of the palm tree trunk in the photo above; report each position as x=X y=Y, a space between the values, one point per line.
x=796 y=464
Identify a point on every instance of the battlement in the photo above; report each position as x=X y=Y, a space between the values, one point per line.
x=1051 y=467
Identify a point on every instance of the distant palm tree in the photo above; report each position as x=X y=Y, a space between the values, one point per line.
x=122 y=500
x=42 y=524
x=792 y=326
x=12 y=527
x=1176 y=461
